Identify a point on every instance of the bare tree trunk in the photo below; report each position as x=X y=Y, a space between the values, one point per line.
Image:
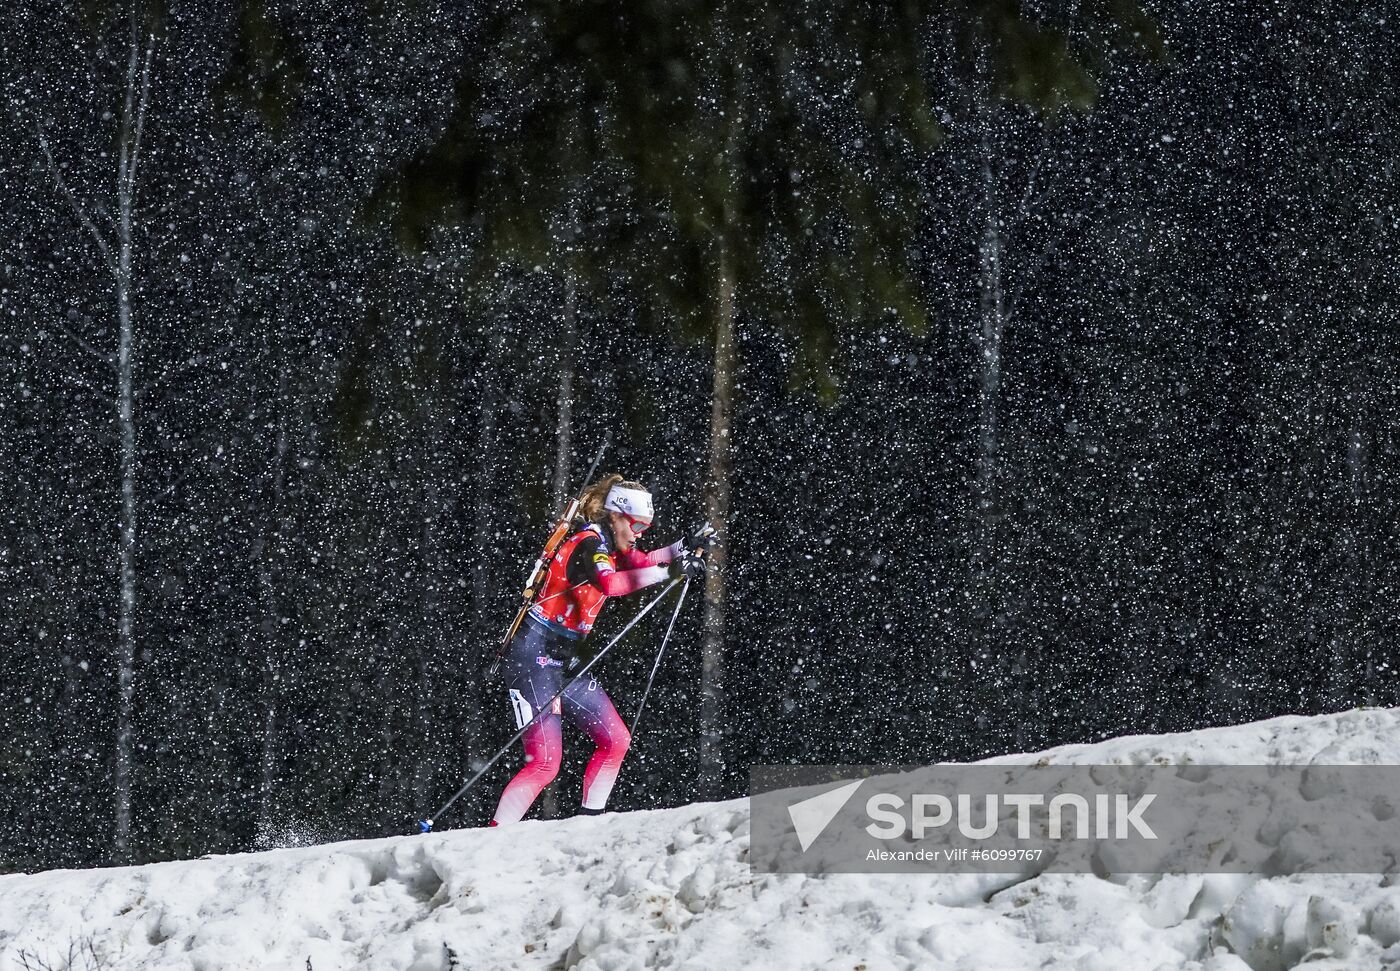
x=133 y=117
x=486 y=518
x=1361 y=579
x=987 y=572
x=126 y=544
x=710 y=775
x=272 y=620
x=563 y=438
x=567 y=349
x=429 y=649
x=717 y=512
x=564 y=394
x=485 y=515
x=991 y=320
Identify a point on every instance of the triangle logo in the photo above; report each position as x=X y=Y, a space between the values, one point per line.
x=811 y=816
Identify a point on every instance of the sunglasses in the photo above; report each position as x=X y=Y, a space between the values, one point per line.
x=638 y=526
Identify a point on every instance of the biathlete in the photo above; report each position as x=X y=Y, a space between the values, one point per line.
x=599 y=561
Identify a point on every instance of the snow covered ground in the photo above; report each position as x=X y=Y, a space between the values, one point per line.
x=671 y=888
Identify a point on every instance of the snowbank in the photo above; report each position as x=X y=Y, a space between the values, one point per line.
x=671 y=888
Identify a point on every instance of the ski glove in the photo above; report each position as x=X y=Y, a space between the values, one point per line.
x=689 y=566
x=701 y=537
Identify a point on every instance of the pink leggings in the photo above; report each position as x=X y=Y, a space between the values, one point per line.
x=534 y=678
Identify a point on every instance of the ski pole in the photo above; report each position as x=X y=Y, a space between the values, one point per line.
x=659 y=654
x=426 y=825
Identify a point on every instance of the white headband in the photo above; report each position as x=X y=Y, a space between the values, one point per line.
x=630 y=502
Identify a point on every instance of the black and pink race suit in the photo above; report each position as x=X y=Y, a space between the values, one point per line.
x=584 y=573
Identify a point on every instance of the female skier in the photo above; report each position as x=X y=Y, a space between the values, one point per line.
x=599 y=561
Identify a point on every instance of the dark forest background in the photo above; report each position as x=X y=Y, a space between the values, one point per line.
x=1053 y=345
